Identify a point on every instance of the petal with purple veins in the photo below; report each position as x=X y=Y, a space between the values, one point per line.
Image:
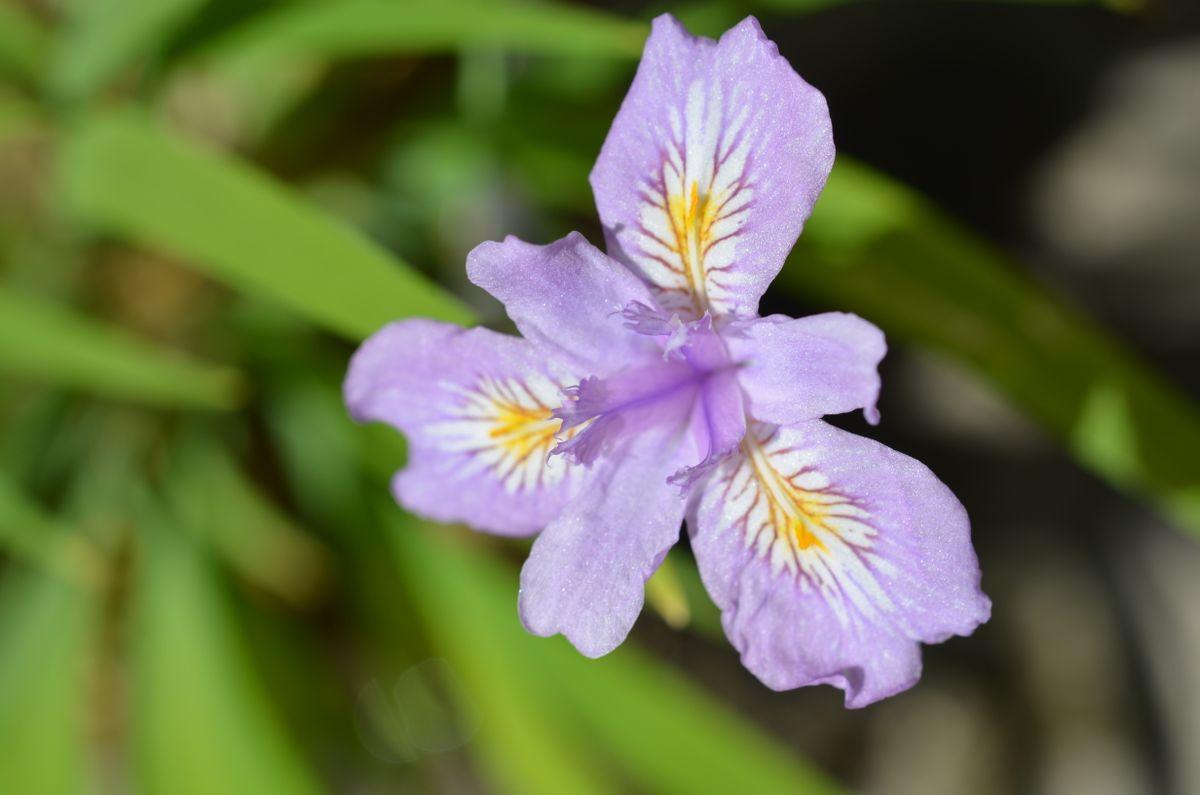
x=478 y=410
x=803 y=369
x=711 y=167
x=832 y=557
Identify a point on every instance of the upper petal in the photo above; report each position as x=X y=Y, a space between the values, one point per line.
x=477 y=408
x=566 y=297
x=801 y=369
x=586 y=575
x=711 y=167
x=831 y=557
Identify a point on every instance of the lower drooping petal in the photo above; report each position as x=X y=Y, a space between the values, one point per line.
x=831 y=557
x=477 y=409
x=802 y=369
x=586 y=575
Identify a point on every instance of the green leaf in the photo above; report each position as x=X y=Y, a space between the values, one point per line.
x=23 y=529
x=667 y=734
x=28 y=533
x=671 y=735
x=201 y=720
x=526 y=745
x=307 y=419
x=355 y=28
x=239 y=225
x=260 y=542
x=49 y=343
x=876 y=248
x=102 y=37
x=45 y=629
x=22 y=44
x=18 y=118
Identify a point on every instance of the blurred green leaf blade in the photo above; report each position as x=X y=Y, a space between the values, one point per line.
x=23 y=44
x=18 y=119
x=46 y=342
x=877 y=248
x=355 y=28
x=668 y=735
x=527 y=747
x=245 y=528
x=102 y=37
x=45 y=628
x=203 y=723
x=127 y=177
x=27 y=532
x=23 y=529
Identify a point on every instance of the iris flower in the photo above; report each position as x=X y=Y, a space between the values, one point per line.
x=645 y=388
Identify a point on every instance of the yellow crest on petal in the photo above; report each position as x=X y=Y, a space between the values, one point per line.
x=794 y=518
x=692 y=211
x=508 y=428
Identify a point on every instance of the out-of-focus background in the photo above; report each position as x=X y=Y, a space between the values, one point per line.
x=204 y=586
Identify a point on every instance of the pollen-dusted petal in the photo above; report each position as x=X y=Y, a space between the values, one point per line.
x=711 y=167
x=832 y=557
x=566 y=297
x=796 y=370
x=585 y=577
x=477 y=408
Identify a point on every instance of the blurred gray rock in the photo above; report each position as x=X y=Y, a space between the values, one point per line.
x=1118 y=203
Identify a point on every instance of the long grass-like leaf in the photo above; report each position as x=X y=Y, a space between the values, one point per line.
x=876 y=248
x=45 y=626
x=129 y=178
x=666 y=734
x=202 y=723
x=371 y=27
x=102 y=37
x=48 y=343
x=527 y=745
x=23 y=44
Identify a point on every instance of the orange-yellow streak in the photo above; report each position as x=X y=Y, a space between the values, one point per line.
x=522 y=430
x=692 y=219
x=792 y=510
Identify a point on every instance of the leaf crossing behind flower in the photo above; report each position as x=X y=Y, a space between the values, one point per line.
x=226 y=218
x=876 y=248
x=665 y=734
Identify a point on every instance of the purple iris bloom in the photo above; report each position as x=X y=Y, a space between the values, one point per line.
x=644 y=389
